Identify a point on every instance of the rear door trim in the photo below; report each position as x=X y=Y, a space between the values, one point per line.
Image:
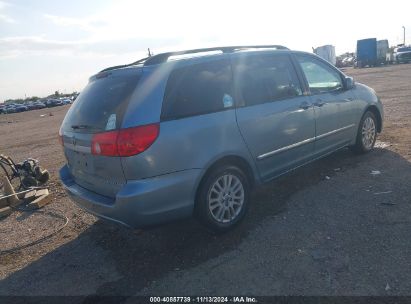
x=300 y=143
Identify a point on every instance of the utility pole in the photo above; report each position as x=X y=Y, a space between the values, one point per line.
x=149 y=52
x=404 y=34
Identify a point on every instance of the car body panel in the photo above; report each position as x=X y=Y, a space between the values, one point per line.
x=337 y=113
x=140 y=203
x=365 y=97
x=100 y=174
x=334 y=124
x=179 y=147
x=279 y=134
x=160 y=184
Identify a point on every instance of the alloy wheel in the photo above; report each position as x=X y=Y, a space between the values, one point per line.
x=368 y=133
x=226 y=198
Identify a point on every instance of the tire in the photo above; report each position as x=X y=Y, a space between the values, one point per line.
x=367 y=134
x=220 y=208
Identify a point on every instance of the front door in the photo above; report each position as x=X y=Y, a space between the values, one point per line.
x=332 y=103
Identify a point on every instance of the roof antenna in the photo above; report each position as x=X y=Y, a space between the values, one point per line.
x=149 y=52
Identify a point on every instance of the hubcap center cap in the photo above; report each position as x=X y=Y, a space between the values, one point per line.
x=226 y=199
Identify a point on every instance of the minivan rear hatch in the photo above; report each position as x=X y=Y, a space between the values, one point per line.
x=99 y=108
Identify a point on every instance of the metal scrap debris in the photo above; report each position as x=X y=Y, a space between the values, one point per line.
x=381 y=144
x=30 y=190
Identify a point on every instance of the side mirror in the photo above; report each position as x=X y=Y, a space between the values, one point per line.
x=349 y=83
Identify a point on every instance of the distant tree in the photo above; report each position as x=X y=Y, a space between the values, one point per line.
x=19 y=100
x=32 y=98
x=56 y=93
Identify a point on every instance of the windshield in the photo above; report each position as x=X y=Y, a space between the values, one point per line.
x=101 y=104
x=404 y=49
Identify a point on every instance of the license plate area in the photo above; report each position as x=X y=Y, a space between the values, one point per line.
x=80 y=163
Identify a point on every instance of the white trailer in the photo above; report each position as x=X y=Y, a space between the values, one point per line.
x=326 y=52
x=382 y=51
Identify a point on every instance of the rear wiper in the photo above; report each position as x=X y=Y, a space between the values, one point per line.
x=78 y=127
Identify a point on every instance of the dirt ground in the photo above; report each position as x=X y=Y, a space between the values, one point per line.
x=305 y=234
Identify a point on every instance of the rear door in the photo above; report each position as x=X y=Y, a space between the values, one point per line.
x=275 y=119
x=333 y=104
x=99 y=108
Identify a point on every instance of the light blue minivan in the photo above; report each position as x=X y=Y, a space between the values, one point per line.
x=190 y=133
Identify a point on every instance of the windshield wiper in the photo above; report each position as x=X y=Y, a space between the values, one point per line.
x=83 y=127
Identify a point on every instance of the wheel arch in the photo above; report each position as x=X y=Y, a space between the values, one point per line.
x=373 y=109
x=235 y=160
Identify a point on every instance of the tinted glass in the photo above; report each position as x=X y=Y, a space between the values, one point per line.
x=198 y=89
x=266 y=78
x=320 y=77
x=102 y=103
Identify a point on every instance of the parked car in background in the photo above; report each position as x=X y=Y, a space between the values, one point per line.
x=39 y=105
x=36 y=105
x=402 y=54
x=53 y=103
x=21 y=108
x=65 y=101
x=193 y=140
x=29 y=105
x=18 y=107
x=9 y=108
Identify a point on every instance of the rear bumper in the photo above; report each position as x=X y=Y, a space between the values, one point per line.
x=140 y=203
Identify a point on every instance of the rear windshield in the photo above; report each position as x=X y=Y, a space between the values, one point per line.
x=101 y=104
x=404 y=49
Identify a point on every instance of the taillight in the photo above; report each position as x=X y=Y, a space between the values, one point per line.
x=104 y=144
x=133 y=141
x=125 y=142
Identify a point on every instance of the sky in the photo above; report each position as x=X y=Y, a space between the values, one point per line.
x=49 y=45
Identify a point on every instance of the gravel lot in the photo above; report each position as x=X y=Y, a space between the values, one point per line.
x=305 y=234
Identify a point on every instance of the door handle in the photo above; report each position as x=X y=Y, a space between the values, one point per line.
x=304 y=105
x=319 y=103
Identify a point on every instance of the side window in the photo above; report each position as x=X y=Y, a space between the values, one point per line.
x=267 y=78
x=198 y=89
x=320 y=77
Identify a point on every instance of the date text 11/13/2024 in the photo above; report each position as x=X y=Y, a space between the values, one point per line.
x=203 y=299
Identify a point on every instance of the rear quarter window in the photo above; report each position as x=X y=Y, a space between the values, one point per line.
x=198 y=89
